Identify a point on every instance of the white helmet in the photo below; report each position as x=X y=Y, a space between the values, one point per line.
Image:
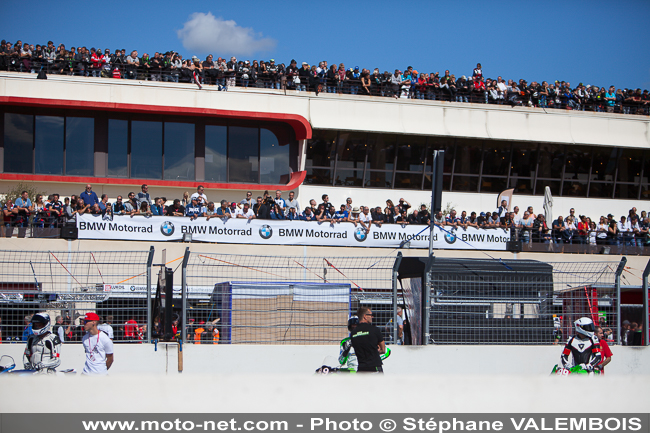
x=42 y=320
x=585 y=326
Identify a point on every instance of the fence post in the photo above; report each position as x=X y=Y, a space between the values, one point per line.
x=645 y=293
x=398 y=260
x=617 y=279
x=186 y=259
x=426 y=300
x=149 y=265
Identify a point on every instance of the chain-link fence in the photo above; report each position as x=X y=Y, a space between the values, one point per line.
x=67 y=284
x=282 y=300
x=519 y=301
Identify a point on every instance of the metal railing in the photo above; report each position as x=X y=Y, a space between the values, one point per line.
x=521 y=301
x=281 y=299
x=381 y=86
x=67 y=284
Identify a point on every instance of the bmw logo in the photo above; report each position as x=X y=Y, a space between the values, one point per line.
x=266 y=231
x=167 y=228
x=450 y=237
x=360 y=234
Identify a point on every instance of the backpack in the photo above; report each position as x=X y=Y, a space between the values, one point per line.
x=41 y=75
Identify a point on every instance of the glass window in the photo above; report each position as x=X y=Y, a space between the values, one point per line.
x=179 y=151
x=350 y=177
x=146 y=149
x=79 y=146
x=551 y=160
x=274 y=157
x=521 y=185
x=448 y=145
x=382 y=151
x=575 y=187
x=318 y=176
x=604 y=165
x=524 y=160
x=468 y=156
x=541 y=185
x=446 y=182
x=408 y=180
x=411 y=152
x=493 y=184
x=496 y=158
x=645 y=184
x=379 y=179
x=601 y=190
x=18 y=142
x=352 y=147
x=465 y=183
x=626 y=191
x=321 y=149
x=629 y=165
x=578 y=162
x=216 y=153
x=48 y=145
x=118 y=148
x=243 y=154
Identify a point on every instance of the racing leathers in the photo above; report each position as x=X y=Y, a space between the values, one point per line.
x=585 y=352
x=42 y=353
x=347 y=357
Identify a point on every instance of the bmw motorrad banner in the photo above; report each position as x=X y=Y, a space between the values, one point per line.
x=275 y=232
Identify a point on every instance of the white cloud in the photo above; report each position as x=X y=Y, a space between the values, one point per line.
x=205 y=33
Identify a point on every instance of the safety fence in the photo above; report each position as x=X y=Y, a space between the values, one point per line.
x=213 y=298
x=521 y=301
x=67 y=284
x=282 y=299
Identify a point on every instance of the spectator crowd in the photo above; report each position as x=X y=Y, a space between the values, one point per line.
x=628 y=230
x=335 y=78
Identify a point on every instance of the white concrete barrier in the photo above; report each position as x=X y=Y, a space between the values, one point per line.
x=255 y=378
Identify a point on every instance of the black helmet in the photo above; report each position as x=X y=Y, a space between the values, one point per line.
x=352 y=322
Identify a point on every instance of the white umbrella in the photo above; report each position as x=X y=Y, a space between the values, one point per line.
x=548 y=205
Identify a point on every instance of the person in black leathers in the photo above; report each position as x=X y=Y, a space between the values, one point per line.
x=583 y=347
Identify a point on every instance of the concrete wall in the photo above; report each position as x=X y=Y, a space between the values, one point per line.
x=279 y=379
x=355 y=113
x=303 y=360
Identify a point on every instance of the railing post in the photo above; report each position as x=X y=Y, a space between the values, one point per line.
x=186 y=259
x=398 y=260
x=645 y=293
x=149 y=265
x=617 y=279
x=426 y=301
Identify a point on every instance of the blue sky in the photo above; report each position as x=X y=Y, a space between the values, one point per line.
x=594 y=42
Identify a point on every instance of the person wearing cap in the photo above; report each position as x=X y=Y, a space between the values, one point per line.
x=97 y=346
x=194 y=209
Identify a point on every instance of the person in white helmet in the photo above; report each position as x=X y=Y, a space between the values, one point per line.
x=583 y=347
x=42 y=351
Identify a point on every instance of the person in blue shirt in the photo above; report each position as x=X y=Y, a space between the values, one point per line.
x=224 y=211
x=28 y=328
x=293 y=215
x=158 y=208
x=341 y=215
x=89 y=197
x=24 y=208
x=194 y=210
x=308 y=215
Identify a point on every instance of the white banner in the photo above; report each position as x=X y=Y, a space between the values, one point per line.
x=283 y=232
